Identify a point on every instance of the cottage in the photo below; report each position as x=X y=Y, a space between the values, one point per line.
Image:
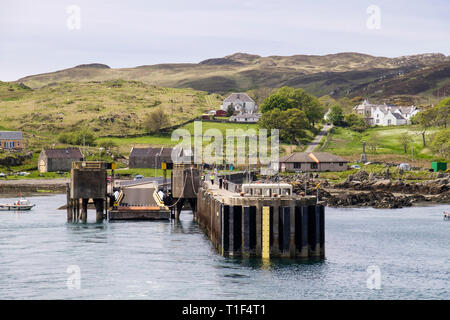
x=385 y=114
x=11 y=140
x=153 y=157
x=240 y=102
x=245 y=117
x=58 y=159
x=315 y=161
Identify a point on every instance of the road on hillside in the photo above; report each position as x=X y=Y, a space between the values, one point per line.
x=319 y=137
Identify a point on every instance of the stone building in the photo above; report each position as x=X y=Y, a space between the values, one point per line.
x=153 y=157
x=58 y=159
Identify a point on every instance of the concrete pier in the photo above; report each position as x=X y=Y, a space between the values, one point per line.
x=294 y=226
x=88 y=181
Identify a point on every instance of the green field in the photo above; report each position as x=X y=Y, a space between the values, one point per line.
x=348 y=143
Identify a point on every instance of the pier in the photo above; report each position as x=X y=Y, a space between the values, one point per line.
x=241 y=220
x=262 y=221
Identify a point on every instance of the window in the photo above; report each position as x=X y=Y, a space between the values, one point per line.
x=378 y=120
x=297 y=165
x=389 y=121
x=341 y=164
x=313 y=165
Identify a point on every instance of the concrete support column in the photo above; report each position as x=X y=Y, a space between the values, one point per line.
x=313 y=231
x=246 y=231
x=225 y=227
x=292 y=248
x=259 y=213
x=302 y=231
x=84 y=204
x=275 y=231
x=98 y=209
x=285 y=224
x=231 y=245
x=321 y=210
x=69 y=204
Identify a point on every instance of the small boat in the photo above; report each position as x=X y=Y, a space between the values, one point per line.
x=19 y=205
x=446 y=215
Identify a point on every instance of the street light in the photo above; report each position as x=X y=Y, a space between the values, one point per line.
x=157 y=155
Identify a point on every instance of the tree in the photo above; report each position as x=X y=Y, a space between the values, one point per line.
x=355 y=122
x=292 y=124
x=441 y=143
x=336 y=115
x=425 y=119
x=80 y=138
x=443 y=112
x=372 y=143
x=107 y=144
x=405 y=140
x=290 y=98
x=156 y=120
x=230 y=110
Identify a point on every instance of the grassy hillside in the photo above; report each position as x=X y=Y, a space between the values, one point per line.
x=343 y=74
x=114 y=107
x=348 y=143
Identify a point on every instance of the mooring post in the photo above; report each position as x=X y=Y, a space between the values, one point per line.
x=304 y=250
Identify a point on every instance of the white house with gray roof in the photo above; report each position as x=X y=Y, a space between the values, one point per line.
x=241 y=103
x=385 y=114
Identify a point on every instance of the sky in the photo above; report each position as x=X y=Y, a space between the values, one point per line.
x=45 y=36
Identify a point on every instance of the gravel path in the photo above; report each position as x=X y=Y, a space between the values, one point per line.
x=319 y=137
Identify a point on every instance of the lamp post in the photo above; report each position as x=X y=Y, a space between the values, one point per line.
x=157 y=155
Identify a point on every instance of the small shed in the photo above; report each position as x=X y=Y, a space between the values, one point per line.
x=221 y=113
x=439 y=166
x=58 y=159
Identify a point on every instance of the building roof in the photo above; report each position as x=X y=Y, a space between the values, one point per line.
x=238 y=97
x=247 y=115
x=66 y=153
x=11 y=135
x=309 y=157
x=398 y=116
x=149 y=152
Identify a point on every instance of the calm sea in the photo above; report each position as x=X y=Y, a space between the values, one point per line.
x=175 y=260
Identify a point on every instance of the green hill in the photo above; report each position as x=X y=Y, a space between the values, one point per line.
x=340 y=75
x=107 y=108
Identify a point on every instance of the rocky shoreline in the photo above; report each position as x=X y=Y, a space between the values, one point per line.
x=371 y=190
x=358 y=190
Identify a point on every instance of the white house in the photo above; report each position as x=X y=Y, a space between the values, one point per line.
x=246 y=117
x=385 y=114
x=241 y=103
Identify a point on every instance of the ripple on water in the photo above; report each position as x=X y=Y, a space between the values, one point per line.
x=175 y=260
